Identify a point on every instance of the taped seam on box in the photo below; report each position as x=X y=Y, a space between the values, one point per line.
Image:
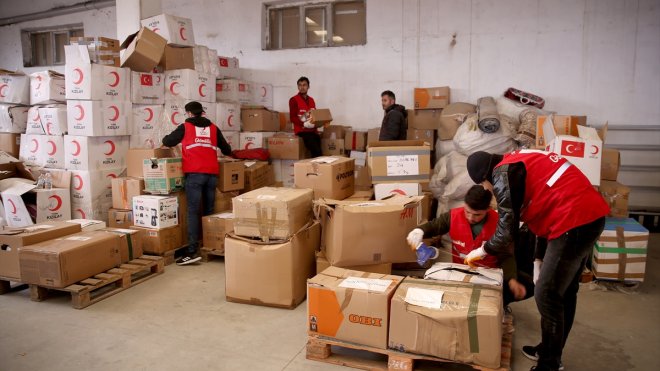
x=349 y=293
x=473 y=331
x=615 y=250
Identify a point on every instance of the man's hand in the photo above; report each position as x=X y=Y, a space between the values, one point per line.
x=474 y=256
x=308 y=124
x=538 y=263
x=415 y=238
x=517 y=289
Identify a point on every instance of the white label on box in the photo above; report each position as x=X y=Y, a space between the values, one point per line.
x=38 y=227
x=128 y=231
x=424 y=297
x=325 y=160
x=266 y=197
x=78 y=238
x=153 y=234
x=402 y=165
x=370 y=284
x=369 y=204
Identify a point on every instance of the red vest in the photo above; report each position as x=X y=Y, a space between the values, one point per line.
x=200 y=149
x=558 y=197
x=303 y=107
x=461 y=236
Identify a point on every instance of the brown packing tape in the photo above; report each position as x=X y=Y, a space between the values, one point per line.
x=621 y=243
x=349 y=294
x=616 y=261
x=321 y=212
x=626 y=238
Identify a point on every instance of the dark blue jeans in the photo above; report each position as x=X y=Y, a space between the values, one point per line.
x=557 y=288
x=198 y=187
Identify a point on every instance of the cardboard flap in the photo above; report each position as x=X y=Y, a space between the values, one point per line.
x=128 y=40
x=463 y=273
x=6 y=158
x=602 y=132
x=549 y=130
x=11 y=73
x=588 y=133
x=76 y=54
x=16 y=186
x=397 y=143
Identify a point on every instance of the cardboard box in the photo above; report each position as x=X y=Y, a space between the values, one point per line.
x=33 y=124
x=175 y=113
x=189 y=85
x=54 y=119
x=620 y=252
x=451 y=117
x=284 y=172
x=136 y=157
x=329 y=177
x=584 y=151
x=93 y=186
x=95 y=153
x=228 y=116
x=351 y=305
x=177 y=58
x=228 y=67
x=373 y=135
x=100 y=50
x=96 y=118
x=47 y=87
x=383 y=190
x=286 y=147
x=355 y=140
x=15 y=87
x=123 y=191
x=66 y=260
x=32 y=148
x=176 y=30
x=130 y=242
x=10 y=143
x=334 y=132
x=13 y=119
x=249 y=140
x=320 y=117
x=118 y=218
x=616 y=195
x=97 y=210
x=233 y=138
x=285 y=122
x=272 y=213
x=147 y=122
x=354 y=234
x=259 y=119
x=143 y=50
x=88 y=225
x=332 y=147
x=155 y=212
x=564 y=125
x=425 y=135
x=270 y=274
x=365 y=195
x=427 y=205
x=84 y=80
x=401 y=161
x=451 y=320
x=163 y=175
x=609 y=168
x=425 y=120
x=231 y=176
x=11 y=239
x=431 y=98
x=258 y=174
x=52 y=204
x=223 y=201
x=215 y=227
x=160 y=241
x=262 y=95
x=233 y=90
x=322 y=264
x=147 y=88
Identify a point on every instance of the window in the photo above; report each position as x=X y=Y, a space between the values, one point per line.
x=45 y=47
x=314 y=24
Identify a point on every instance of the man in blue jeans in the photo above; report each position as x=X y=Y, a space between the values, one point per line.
x=200 y=139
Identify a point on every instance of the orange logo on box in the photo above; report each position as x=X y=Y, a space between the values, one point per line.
x=407 y=213
x=365 y=320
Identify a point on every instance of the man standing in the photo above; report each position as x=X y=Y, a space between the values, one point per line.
x=200 y=139
x=558 y=203
x=395 y=124
x=299 y=107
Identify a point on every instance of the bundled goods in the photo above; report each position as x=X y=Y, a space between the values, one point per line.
x=470 y=139
x=489 y=119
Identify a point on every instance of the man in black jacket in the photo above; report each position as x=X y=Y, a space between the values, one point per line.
x=395 y=124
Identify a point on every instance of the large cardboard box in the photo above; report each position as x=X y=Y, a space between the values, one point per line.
x=284 y=173
x=10 y=143
x=88 y=225
x=53 y=204
x=160 y=241
x=258 y=174
x=426 y=120
x=270 y=274
x=272 y=213
x=233 y=90
x=190 y=85
x=262 y=94
x=147 y=88
x=355 y=140
x=322 y=264
x=250 y=140
x=584 y=151
x=214 y=228
x=332 y=147
x=609 y=168
x=563 y=125
x=130 y=242
x=286 y=147
x=425 y=135
x=329 y=177
x=93 y=186
x=223 y=201
x=353 y=232
x=176 y=30
x=175 y=113
x=228 y=116
x=100 y=50
x=384 y=190
x=147 y=122
x=620 y=252
x=228 y=67
x=259 y=119
x=53 y=119
x=32 y=148
x=451 y=117
x=403 y=161
x=85 y=80
x=231 y=176
x=119 y=218
x=11 y=239
x=431 y=98
x=66 y=260
x=47 y=87
x=13 y=118
x=33 y=124
x=96 y=118
x=155 y=212
x=177 y=58
x=95 y=153
x=320 y=117
x=136 y=157
x=373 y=135
x=451 y=320
x=233 y=138
x=143 y=51
x=96 y=210
x=335 y=131
x=123 y=191
x=351 y=305
x=616 y=195
x=163 y=175
x=365 y=195
x=15 y=87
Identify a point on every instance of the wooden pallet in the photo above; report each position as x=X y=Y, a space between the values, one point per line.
x=210 y=254
x=320 y=348
x=167 y=255
x=104 y=285
x=6 y=287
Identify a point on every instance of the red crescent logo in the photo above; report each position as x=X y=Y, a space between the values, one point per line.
x=13 y=206
x=263 y=89
x=82 y=213
x=156 y=29
x=37 y=118
x=80 y=182
x=151 y=114
x=116 y=76
x=248 y=145
x=77 y=150
x=150 y=143
x=80 y=76
x=174 y=118
x=58 y=202
x=36 y=146
x=182 y=33
x=114 y=108
x=54 y=148
x=229 y=121
x=111 y=176
x=2 y=87
x=157 y=79
x=112 y=148
x=81 y=112
x=201 y=89
x=398 y=191
x=596 y=150
x=48 y=125
x=172 y=85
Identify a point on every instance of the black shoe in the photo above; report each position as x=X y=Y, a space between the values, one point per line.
x=531 y=352
x=188 y=259
x=535 y=368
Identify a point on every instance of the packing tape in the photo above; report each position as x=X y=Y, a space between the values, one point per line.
x=623 y=256
x=419 y=152
x=349 y=294
x=473 y=331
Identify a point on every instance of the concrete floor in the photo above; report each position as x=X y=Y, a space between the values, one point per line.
x=181 y=321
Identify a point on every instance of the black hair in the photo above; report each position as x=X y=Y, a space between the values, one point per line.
x=195 y=108
x=478 y=197
x=389 y=93
x=301 y=79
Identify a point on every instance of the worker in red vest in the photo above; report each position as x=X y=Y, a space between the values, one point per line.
x=558 y=203
x=200 y=139
x=469 y=227
x=299 y=107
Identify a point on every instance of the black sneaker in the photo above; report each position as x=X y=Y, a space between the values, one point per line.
x=561 y=367
x=531 y=352
x=188 y=259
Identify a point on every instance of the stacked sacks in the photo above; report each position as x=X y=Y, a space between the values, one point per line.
x=523 y=117
x=450 y=181
x=470 y=139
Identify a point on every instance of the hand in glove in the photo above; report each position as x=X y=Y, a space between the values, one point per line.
x=415 y=238
x=538 y=263
x=474 y=256
x=308 y=124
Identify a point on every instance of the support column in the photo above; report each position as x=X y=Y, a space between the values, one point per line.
x=130 y=12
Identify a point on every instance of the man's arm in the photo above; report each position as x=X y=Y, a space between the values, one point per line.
x=225 y=148
x=175 y=137
x=437 y=226
x=293 y=112
x=500 y=243
x=392 y=125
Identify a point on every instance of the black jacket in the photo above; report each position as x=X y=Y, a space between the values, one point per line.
x=395 y=124
x=174 y=138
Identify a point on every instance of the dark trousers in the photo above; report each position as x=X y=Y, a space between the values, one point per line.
x=312 y=142
x=198 y=186
x=557 y=288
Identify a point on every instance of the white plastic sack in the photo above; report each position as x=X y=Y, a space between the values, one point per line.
x=443 y=147
x=458 y=187
x=445 y=170
x=469 y=139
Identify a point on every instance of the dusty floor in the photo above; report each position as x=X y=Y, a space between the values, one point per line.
x=180 y=321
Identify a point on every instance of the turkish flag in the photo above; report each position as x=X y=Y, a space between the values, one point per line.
x=572 y=148
x=146 y=80
x=223 y=62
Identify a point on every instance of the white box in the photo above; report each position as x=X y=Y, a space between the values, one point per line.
x=584 y=151
x=147 y=88
x=255 y=139
x=31 y=148
x=54 y=119
x=383 y=190
x=233 y=90
x=93 y=187
x=143 y=142
x=228 y=67
x=284 y=172
x=155 y=211
x=94 y=210
x=262 y=95
x=14 y=87
x=16 y=214
x=47 y=87
x=95 y=153
x=99 y=118
x=233 y=138
x=176 y=30
x=147 y=120
x=33 y=125
x=84 y=80
x=13 y=118
x=175 y=113
x=228 y=116
x=52 y=154
x=190 y=85
x=53 y=205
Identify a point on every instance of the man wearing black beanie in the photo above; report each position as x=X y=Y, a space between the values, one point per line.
x=559 y=204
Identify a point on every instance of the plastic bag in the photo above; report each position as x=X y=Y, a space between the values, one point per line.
x=470 y=139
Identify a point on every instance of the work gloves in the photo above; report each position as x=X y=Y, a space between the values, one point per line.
x=415 y=238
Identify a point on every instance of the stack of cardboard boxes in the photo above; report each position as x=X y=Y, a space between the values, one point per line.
x=13 y=110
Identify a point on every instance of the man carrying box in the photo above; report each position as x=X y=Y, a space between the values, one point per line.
x=558 y=203
x=199 y=140
x=299 y=107
x=394 y=125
